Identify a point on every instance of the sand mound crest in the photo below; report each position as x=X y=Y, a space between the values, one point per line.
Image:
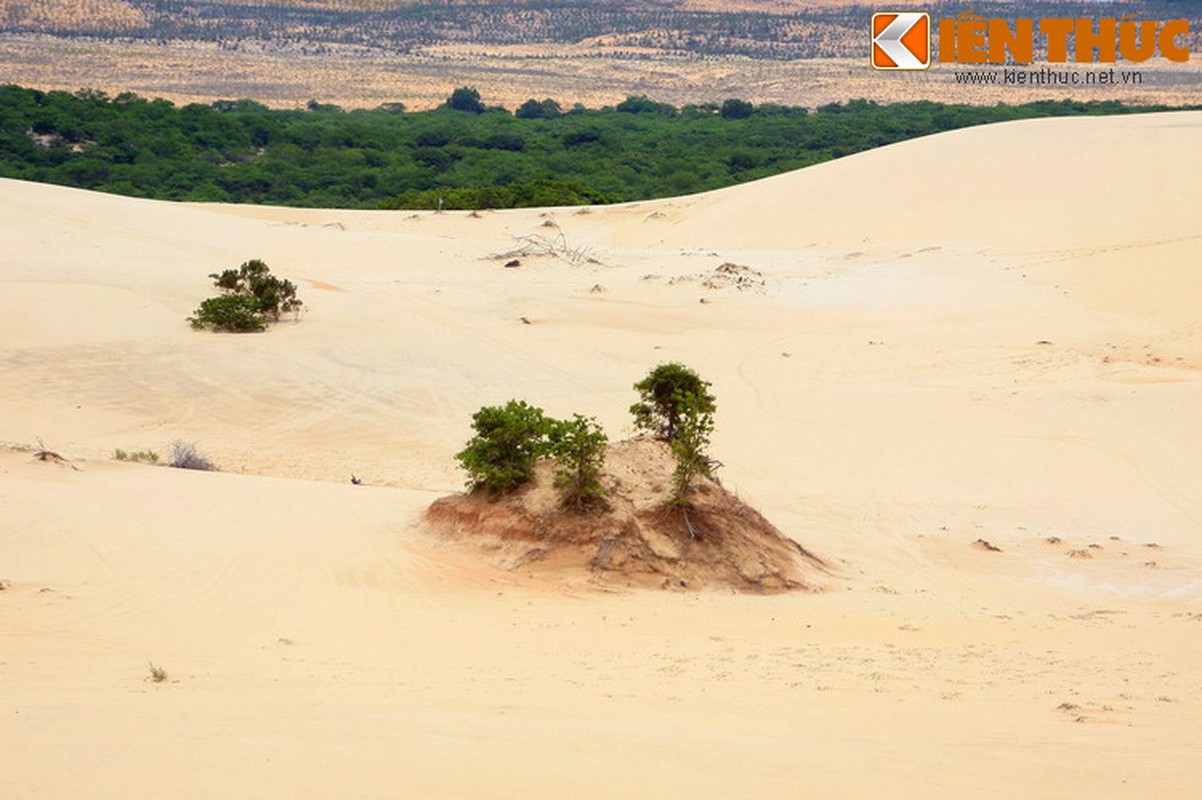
x=639 y=539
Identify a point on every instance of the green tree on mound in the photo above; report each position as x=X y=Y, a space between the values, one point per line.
x=509 y=440
x=251 y=296
x=663 y=396
x=578 y=445
x=690 y=446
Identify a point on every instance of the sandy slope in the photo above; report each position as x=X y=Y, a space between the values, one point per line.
x=897 y=379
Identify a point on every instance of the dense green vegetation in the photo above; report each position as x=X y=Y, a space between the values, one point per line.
x=240 y=151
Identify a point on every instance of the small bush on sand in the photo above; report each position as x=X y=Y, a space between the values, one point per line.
x=662 y=395
x=252 y=297
x=184 y=455
x=508 y=440
x=157 y=674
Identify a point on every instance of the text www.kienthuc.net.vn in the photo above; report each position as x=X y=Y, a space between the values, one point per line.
x=1047 y=76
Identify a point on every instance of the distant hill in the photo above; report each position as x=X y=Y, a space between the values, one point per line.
x=71 y=16
x=772 y=29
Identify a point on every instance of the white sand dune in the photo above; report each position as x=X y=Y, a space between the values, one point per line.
x=989 y=334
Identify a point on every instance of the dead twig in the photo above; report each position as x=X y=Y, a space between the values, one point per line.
x=536 y=244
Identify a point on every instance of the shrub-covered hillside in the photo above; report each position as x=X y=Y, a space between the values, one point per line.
x=240 y=151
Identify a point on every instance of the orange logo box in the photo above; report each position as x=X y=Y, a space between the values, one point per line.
x=901 y=40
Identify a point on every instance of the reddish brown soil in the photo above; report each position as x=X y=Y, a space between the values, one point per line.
x=639 y=539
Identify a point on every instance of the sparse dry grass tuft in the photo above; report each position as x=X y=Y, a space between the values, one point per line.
x=184 y=455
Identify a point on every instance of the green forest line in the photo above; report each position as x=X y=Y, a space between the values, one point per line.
x=462 y=155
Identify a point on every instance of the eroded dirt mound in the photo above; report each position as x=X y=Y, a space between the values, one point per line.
x=640 y=539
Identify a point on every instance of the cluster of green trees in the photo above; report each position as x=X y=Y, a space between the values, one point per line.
x=675 y=405
x=509 y=439
x=470 y=155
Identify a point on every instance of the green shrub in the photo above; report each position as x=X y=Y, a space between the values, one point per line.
x=691 y=444
x=273 y=296
x=578 y=445
x=508 y=440
x=252 y=295
x=231 y=312
x=662 y=396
